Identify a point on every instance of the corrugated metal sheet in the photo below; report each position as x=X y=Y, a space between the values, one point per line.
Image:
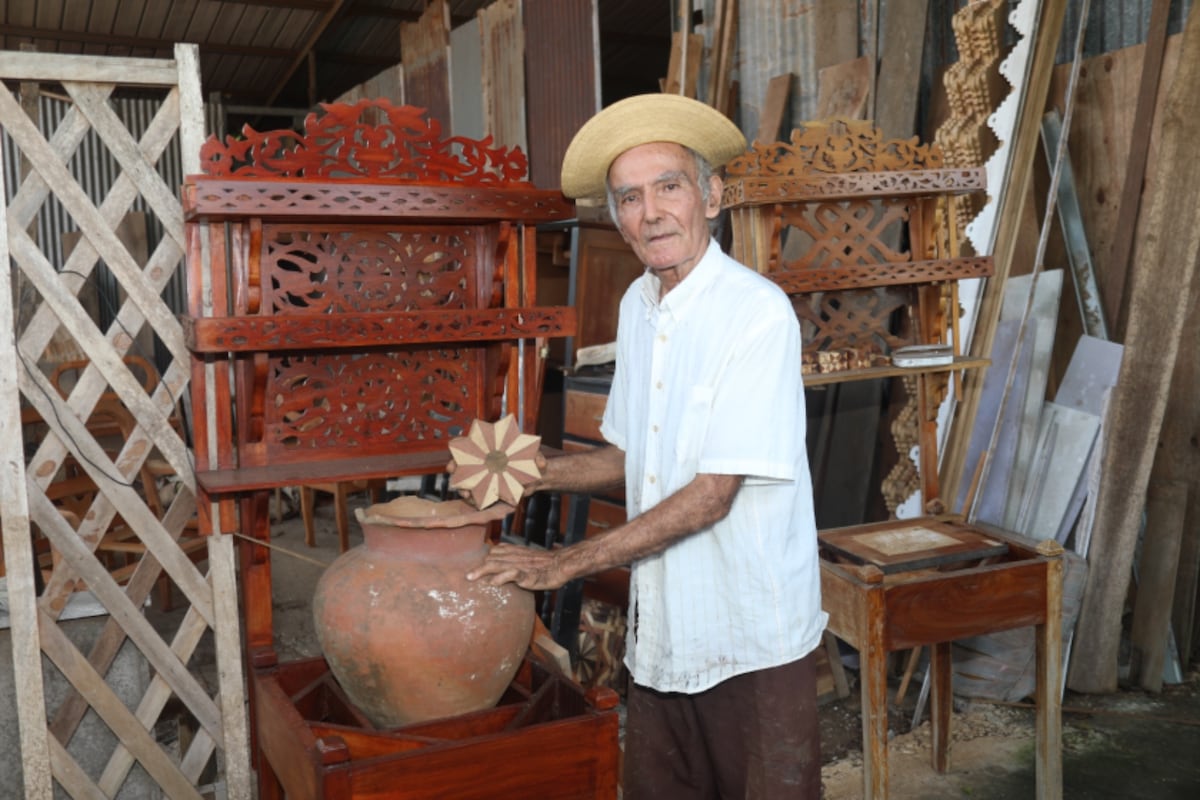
x=561 y=80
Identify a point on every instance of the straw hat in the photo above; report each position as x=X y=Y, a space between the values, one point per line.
x=639 y=120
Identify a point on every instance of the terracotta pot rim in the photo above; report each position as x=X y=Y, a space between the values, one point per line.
x=418 y=512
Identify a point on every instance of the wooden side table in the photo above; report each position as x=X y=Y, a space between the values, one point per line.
x=877 y=612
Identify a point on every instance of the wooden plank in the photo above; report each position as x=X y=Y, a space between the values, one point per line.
x=691 y=61
x=16 y=537
x=1166 y=512
x=466 y=76
x=504 y=72
x=770 y=122
x=903 y=37
x=53 y=67
x=1164 y=271
x=843 y=89
x=425 y=54
x=835 y=29
x=1100 y=142
x=1117 y=304
x=1186 y=383
x=235 y=734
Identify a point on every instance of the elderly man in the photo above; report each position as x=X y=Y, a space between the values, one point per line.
x=705 y=424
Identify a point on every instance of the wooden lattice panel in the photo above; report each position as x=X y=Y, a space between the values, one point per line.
x=113 y=484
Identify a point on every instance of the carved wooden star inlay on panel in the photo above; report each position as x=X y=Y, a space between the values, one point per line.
x=495 y=461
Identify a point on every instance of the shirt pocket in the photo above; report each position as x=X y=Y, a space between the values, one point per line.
x=693 y=427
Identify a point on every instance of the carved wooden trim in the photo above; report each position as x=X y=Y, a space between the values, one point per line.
x=356 y=331
x=214 y=199
x=865 y=275
x=850 y=186
x=345 y=143
x=833 y=146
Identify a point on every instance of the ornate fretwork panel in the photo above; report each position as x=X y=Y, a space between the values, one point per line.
x=371 y=403
x=834 y=235
x=307 y=271
x=835 y=146
x=860 y=320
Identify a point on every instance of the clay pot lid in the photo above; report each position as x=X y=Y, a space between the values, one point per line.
x=411 y=511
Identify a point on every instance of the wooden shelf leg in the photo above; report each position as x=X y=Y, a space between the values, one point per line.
x=1048 y=761
x=940 y=703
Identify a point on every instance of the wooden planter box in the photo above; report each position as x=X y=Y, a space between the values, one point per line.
x=545 y=739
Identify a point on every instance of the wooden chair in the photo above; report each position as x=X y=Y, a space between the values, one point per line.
x=341 y=490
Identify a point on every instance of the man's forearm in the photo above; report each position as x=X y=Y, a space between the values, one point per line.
x=590 y=471
x=703 y=502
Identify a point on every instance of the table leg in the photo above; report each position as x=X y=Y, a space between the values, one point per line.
x=941 y=695
x=873 y=665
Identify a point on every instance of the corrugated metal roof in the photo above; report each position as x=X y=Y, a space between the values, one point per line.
x=254 y=52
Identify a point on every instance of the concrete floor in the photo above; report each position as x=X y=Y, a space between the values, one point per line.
x=1124 y=745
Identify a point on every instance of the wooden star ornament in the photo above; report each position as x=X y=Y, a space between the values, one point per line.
x=495 y=461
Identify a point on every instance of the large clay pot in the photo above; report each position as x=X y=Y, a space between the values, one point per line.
x=407 y=636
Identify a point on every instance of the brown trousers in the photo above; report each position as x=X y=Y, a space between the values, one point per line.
x=752 y=737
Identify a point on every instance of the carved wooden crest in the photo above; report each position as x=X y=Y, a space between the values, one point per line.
x=345 y=142
x=835 y=145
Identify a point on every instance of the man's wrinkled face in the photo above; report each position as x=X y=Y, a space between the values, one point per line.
x=661 y=211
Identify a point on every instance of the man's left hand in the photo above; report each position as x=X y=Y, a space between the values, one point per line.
x=528 y=567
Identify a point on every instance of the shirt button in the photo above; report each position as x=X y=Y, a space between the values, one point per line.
x=662 y=337
x=658 y=385
x=652 y=479
x=654 y=428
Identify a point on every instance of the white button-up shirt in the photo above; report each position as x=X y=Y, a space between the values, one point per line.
x=708 y=381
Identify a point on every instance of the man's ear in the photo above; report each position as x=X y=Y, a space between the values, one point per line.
x=713 y=206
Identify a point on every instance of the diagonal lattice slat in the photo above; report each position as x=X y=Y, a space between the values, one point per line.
x=119 y=481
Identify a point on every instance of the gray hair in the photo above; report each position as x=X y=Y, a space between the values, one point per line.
x=704 y=173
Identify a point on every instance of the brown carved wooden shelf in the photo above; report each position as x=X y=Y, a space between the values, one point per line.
x=853 y=197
